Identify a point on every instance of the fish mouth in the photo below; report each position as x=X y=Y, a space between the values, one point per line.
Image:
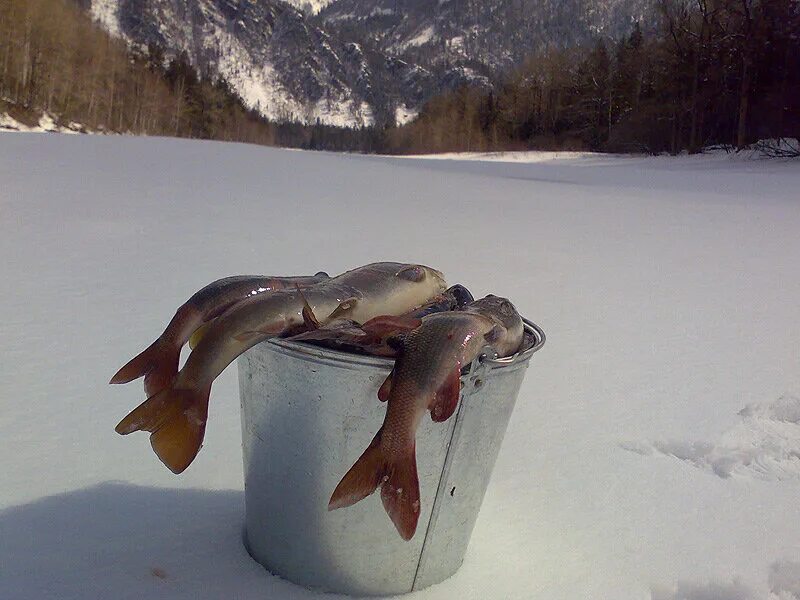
x=439 y=277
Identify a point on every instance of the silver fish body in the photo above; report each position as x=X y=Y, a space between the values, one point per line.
x=158 y=363
x=176 y=416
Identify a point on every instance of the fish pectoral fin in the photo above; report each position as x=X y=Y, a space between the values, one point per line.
x=446 y=398
x=310 y=321
x=386 y=388
x=345 y=307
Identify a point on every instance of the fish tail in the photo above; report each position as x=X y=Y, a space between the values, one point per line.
x=158 y=363
x=397 y=478
x=362 y=479
x=400 y=493
x=176 y=418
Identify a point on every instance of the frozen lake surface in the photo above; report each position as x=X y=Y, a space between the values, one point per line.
x=655 y=448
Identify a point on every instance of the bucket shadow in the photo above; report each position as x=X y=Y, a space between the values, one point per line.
x=116 y=540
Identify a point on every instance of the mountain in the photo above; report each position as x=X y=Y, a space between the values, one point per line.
x=358 y=62
x=489 y=35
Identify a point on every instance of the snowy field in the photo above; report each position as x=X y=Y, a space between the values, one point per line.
x=655 y=448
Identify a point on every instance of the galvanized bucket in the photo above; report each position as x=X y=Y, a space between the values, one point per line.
x=308 y=413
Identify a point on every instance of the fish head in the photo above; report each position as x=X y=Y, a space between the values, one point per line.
x=505 y=315
x=424 y=282
x=409 y=286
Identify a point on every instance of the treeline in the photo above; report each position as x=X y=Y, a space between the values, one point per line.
x=53 y=58
x=711 y=72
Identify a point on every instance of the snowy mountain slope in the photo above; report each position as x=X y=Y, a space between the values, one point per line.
x=667 y=287
x=356 y=62
x=270 y=55
x=495 y=34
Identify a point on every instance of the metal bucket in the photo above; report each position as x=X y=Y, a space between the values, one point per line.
x=308 y=413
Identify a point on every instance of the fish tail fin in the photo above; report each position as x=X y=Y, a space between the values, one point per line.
x=362 y=479
x=397 y=479
x=176 y=419
x=400 y=493
x=158 y=363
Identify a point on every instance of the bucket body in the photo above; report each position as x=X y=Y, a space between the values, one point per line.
x=307 y=414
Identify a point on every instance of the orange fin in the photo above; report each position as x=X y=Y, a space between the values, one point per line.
x=446 y=398
x=400 y=494
x=159 y=359
x=387 y=325
x=177 y=420
x=362 y=479
x=386 y=388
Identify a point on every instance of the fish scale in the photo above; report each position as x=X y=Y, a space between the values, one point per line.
x=426 y=376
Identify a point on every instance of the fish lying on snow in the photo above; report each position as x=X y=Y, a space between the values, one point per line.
x=426 y=376
x=158 y=363
x=176 y=416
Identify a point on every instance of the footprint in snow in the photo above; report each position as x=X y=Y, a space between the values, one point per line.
x=764 y=444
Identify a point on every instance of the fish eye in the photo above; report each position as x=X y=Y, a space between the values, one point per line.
x=506 y=308
x=413 y=273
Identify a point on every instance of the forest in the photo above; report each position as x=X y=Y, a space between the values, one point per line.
x=703 y=73
x=713 y=72
x=54 y=59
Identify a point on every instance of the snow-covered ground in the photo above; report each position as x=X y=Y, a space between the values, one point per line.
x=655 y=448
x=46 y=125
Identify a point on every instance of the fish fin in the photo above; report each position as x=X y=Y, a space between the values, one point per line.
x=386 y=388
x=362 y=479
x=176 y=419
x=309 y=318
x=322 y=275
x=158 y=363
x=494 y=334
x=400 y=494
x=446 y=399
x=345 y=306
x=199 y=334
x=387 y=325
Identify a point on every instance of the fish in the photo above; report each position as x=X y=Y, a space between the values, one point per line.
x=426 y=377
x=176 y=416
x=371 y=337
x=158 y=363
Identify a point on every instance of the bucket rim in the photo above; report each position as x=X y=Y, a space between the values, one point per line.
x=321 y=353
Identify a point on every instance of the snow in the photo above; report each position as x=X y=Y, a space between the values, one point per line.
x=106 y=12
x=422 y=37
x=46 y=124
x=403 y=114
x=668 y=289
x=310 y=6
